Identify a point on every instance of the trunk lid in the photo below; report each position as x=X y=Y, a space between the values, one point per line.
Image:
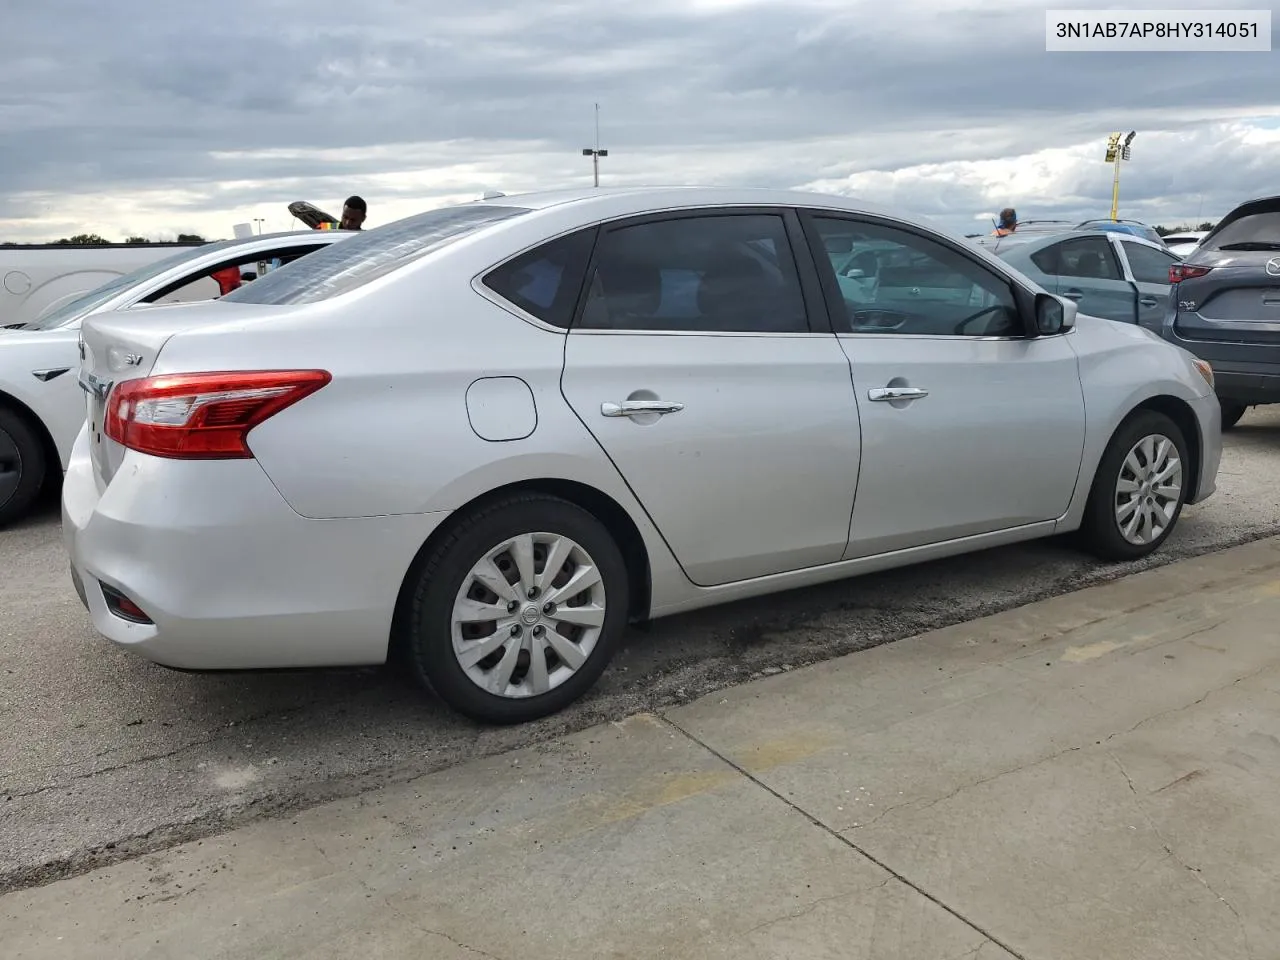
x=1238 y=301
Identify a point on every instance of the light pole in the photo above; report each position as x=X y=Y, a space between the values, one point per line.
x=1116 y=152
x=596 y=153
x=258 y=221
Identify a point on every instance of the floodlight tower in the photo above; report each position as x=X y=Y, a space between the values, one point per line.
x=1116 y=152
x=595 y=153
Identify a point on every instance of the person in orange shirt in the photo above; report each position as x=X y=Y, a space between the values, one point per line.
x=1008 y=223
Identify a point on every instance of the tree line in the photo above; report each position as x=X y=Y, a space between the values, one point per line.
x=94 y=240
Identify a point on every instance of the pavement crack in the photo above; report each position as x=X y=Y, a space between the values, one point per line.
x=1168 y=848
x=408 y=918
x=812 y=906
x=925 y=804
x=1194 y=703
x=840 y=838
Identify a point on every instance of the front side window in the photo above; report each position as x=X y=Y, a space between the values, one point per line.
x=1148 y=265
x=895 y=281
x=545 y=282
x=352 y=263
x=731 y=273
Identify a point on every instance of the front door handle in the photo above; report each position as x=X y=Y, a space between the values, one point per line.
x=1074 y=294
x=896 y=393
x=637 y=408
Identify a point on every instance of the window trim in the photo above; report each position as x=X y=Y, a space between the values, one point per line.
x=811 y=297
x=497 y=299
x=1024 y=299
x=1130 y=274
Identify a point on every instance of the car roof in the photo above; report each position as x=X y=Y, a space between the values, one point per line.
x=657 y=197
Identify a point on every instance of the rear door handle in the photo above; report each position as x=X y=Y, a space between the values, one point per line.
x=1149 y=302
x=636 y=408
x=896 y=393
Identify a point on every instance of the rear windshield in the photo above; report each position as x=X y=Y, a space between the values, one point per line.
x=344 y=266
x=1262 y=228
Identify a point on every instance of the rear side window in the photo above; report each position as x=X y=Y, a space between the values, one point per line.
x=1088 y=257
x=727 y=273
x=545 y=282
x=352 y=263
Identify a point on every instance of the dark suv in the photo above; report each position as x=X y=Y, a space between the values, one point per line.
x=1224 y=306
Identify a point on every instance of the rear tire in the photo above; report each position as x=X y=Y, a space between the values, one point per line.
x=1231 y=413
x=1139 y=489
x=500 y=635
x=22 y=465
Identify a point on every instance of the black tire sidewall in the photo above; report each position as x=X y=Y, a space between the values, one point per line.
x=1232 y=411
x=31 y=465
x=1101 y=527
x=429 y=645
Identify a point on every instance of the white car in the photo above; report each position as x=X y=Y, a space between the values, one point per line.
x=1183 y=243
x=486 y=437
x=41 y=406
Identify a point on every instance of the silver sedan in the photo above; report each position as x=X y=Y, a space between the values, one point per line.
x=479 y=441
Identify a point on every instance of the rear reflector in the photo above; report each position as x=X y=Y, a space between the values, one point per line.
x=203 y=416
x=1184 y=271
x=122 y=607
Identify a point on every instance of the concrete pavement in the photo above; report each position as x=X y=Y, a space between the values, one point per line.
x=1092 y=776
x=109 y=756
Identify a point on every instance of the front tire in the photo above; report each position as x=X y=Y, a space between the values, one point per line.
x=515 y=614
x=1139 y=489
x=22 y=465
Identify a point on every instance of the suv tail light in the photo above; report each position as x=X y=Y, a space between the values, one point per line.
x=1184 y=271
x=203 y=416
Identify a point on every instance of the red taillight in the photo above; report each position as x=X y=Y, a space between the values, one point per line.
x=1184 y=271
x=203 y=416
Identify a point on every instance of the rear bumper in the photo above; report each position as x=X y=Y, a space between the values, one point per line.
x=229 y=575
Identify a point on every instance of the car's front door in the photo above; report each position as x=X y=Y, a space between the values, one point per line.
x=694 y=364
x=1087 y=271
x=1149 y=269
x=968 y=425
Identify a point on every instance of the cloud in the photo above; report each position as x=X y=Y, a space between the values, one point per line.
x=138 y=117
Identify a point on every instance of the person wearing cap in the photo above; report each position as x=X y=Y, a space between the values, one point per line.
x=1008 y=223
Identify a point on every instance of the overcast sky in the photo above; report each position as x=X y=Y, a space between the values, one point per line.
x=142 y=117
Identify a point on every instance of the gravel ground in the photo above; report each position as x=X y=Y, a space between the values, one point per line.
x=107 y=756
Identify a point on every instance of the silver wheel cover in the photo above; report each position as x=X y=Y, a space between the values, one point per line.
x=1148 y=490
x=528 y=615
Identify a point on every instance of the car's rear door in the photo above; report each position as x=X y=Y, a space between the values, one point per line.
x=1087 y=271
x=699 y=362
x=1148 y=268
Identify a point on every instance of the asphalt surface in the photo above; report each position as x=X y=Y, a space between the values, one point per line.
x=106 y=756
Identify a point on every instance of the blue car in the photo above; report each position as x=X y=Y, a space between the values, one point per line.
x=1109 y=274
x=1132 y=228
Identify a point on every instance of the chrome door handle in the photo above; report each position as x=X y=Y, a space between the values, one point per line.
x=896 y=393
x=636 y=408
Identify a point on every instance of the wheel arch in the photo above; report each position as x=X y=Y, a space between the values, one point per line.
x=599 y=504
x=1180 y=412
x=51 y=454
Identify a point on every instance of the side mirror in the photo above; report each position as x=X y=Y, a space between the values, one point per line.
x=1054 y=315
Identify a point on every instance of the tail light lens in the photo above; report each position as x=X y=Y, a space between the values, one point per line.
x=203 y=416
x=1184 y=271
